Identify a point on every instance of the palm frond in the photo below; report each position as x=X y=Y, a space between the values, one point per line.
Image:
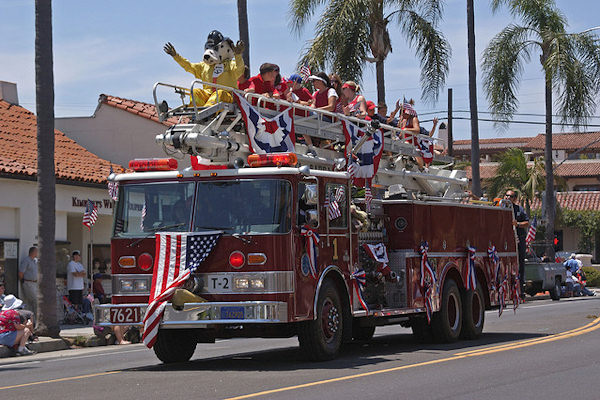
x=574 y=65
x=431 y=10
x=301 y=11
x=511 y=173
x=341 y=39
x=503 y=61
x=432 y=49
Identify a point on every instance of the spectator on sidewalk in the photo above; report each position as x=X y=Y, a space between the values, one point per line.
x=98 y=289
x=13 y=332
x=75 y=275
x=2 y=295
x=12 y=303
x=28 y=275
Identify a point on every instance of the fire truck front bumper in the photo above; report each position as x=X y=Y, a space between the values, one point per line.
x=195 y=315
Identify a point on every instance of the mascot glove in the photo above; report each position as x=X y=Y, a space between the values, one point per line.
x=239 y=47
x=170 y=49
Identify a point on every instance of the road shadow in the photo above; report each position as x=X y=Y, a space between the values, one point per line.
x=380 y=349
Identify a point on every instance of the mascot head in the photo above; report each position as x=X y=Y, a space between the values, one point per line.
x=217 y=48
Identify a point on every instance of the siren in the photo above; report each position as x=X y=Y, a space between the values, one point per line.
x=153 y=164
x=273 y=160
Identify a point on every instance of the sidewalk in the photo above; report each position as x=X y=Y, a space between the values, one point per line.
x=71 y=335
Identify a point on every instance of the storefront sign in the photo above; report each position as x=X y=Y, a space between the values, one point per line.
x=11 y=250
x=104 y=203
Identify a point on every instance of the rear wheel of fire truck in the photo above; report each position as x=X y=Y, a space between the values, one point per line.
x=175 y=345
x=473 y=313
x=447 y=322
x=321 y=338
x=555 y=291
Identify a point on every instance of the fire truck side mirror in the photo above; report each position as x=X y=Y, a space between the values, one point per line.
x=311 y=195
x=312 y=218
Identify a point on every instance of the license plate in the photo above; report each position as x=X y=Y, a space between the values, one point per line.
x=232 y=312
x=125 y=315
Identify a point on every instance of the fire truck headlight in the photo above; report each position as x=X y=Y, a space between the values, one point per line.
x=241 y=283
x=257 y=283
x=126 y=285
x=141 y=285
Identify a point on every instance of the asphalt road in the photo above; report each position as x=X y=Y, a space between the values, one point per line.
x=520 y=355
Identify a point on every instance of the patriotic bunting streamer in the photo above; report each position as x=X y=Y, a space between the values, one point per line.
x=359 y=280
x=427 y=287
x=113 y=187
x=378 y=252
x=311 y=241
x=471 y=282
x=499 y=283
x=274 y=135
x=365 y=161
x=516 y=289
x=368 y=199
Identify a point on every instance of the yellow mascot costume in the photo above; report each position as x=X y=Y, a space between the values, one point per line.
x=222 y=64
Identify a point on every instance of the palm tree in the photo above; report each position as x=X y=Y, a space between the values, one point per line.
x=476 y=182
x=514 y=173
x=243 y=28
x=44 y=91
x=352 y=32
x=571 y=65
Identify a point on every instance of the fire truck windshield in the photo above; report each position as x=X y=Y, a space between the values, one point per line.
x=150 y=207
x=244 y=206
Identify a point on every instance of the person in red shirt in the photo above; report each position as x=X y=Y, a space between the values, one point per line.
x=264 y=83
x=357 y=105
x=12 y=332
x=243 y=82
x=325 y=96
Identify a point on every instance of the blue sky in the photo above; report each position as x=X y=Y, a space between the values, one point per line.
x=115 y=47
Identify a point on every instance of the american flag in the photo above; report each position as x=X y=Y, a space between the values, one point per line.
x=333 y=208
x=531 y=233
x=90 y=215
x=339 y=194
x=113 y=187
x=305 y=72
x=143 y=216
x=368 y=198
x=179 y=254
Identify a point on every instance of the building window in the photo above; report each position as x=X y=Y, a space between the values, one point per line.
x=586 y=188
x=9 y=264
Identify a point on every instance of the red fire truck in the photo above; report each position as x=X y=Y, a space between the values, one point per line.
x=422 y=257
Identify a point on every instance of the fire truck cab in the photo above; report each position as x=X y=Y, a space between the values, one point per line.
x=273 y=214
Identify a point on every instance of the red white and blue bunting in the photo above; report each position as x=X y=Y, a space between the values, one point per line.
x=311 y=241
x=499 y=284
x=359 y=280
x=378 y=252
x=427 y=286
x=471 y=278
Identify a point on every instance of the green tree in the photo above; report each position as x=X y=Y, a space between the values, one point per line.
x=352 y=32
x=513 y=173
x=44 y=93
x=571 y=66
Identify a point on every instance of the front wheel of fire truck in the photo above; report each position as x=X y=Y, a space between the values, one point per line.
x=175 y=345
x=321 y=338
x=447 y=322
x=473 y=313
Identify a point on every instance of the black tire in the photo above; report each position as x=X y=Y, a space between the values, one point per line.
x=362 y=333
x=421 y=330
x=175 y=345
x=447 y=322
x=473 y=313
x=321 y=338
x=555 y=291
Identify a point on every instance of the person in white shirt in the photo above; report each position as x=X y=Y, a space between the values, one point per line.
x=75 y=275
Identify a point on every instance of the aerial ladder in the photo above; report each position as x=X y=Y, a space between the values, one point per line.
x=217 y=135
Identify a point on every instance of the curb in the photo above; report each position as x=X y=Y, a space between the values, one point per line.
x=45 y=344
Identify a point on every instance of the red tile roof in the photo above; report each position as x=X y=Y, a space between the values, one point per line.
x=567 y=141
x=135 y=107
x=569 y=169
x=18 y=150
x=578 y=201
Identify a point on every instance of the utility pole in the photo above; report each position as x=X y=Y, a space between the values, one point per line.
x=450 y=137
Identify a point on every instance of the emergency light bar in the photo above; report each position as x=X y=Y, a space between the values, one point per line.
x=153 y=164
x=273 y=160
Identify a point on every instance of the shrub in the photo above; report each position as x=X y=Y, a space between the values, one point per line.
x=592 y=275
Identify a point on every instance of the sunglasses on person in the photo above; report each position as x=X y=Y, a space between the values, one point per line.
x=510 y=195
